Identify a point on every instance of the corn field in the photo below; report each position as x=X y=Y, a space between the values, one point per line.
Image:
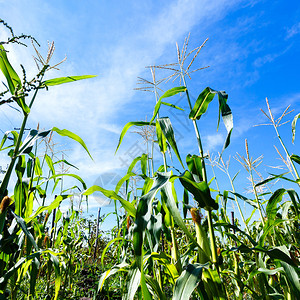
x=174 y=237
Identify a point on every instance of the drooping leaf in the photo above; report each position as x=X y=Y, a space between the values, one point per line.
x=167 y=94
x=30 y=140
x=129 y=207
x=55 y=203
x=295 y=158
x=65 y=162
x=201 y=106
x=294 y=122
x=61 y=80
x=126 y=127
x=73 y=136
x=115 y=269
x=12 y=78
x=122 y=180
x=200 y=191
x=168 y=132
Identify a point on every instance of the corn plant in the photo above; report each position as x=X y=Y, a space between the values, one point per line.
x=164 y=254
x=22 y=230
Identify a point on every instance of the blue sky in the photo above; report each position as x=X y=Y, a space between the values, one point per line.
x=253 y=53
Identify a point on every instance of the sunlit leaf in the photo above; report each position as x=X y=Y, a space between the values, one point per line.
x=167 y=94
x=61 y=80
x=294 y=122
x=126 y=127
x=73 y=136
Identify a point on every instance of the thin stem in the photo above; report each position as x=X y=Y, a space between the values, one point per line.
x=237 y=202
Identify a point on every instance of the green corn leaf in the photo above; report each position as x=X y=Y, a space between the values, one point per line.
x=172 y=207
x=251 y=202
x=55 y=203
x=5 y=137
x=122 y=180
x=194 y=164
x=293 y=278
x=37 y=167
x=172 y=105
x=134 y=276
x=17 y=265
x=127 y=126
x=269 y=226
x=143 y=214
x=295 y=158
x=57 y=271
x=65 y=162
x=161 y=139
x=24 y=228
x=294 y=122
x=273 y=177
x=168 y=93
x=186 y=202
x=13 y=80
x=265 y=271
x=129 y=207
x=166 y=260
x=10 y=74
x=69 y=175
x=201 y=106
x=271 y=208
x=33 y=275
x=50 y=163
x=295 y=198
x=143 y=160
x=61 y=80
x=188 y=281
x=30 y=140
x=168 y=132
x=73 y=136
x=200 y=191
x=152 y=282
x=118 y=239
x=277 y=253
x=122 y=267
x=145 y=292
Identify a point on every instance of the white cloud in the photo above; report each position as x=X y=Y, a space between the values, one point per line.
x=214 y=141
x=295 y=29
x=95 y=109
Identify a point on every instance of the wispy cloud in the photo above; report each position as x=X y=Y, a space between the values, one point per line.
x=292 y=31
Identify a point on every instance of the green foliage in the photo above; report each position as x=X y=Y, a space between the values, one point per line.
x=155 y=251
